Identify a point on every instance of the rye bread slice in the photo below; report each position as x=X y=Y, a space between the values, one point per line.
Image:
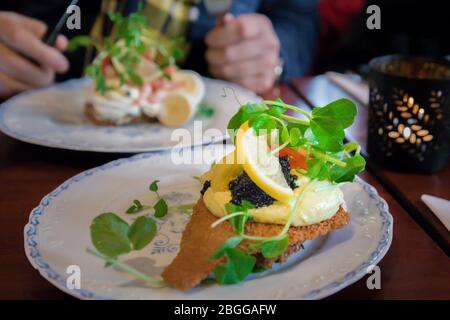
x=93 y=117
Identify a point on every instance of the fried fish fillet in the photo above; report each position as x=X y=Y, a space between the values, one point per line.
x=199 y=241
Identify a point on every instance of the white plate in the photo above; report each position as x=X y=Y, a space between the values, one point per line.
x=54 y=117
x=57 y=235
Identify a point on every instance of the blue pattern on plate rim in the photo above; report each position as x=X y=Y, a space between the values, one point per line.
x=32 y=251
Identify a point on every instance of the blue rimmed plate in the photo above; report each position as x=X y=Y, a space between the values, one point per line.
x=57 y=234
x=54 y=117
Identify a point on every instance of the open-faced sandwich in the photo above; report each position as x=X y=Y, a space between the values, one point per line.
x=279 y=188
x=135 y=77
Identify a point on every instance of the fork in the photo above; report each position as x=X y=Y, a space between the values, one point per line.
x=217 y=8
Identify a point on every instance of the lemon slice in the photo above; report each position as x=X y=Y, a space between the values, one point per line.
x=261 y=166
x=192 y=84
x=176 y=109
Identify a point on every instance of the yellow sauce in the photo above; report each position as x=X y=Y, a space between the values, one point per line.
x=320 y=202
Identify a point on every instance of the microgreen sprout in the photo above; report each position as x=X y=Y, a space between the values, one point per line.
x=131 y=41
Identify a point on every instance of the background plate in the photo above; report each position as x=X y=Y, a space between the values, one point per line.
x=57 y=235
x=54 y=117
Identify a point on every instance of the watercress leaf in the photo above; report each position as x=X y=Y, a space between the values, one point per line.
x=276 y=111
x=138 y=204
x=133 y=209
x=154 y=186
x=285 y=137
x=160 y=208
x=272 y=248
x=252 y=108
x=300 y=126
x=246 y=205
x=329 y=134
x=231 y=207
x=263 y=123
x=317 y=169
x=355 y=165
x=141 y=232
x=244 y=114
x=295 y=137
x=342 y=111
x=310 y=138
x=238 y=266
x=239 y=222
x=205 y=110
x=230 y=243
x=109 y=235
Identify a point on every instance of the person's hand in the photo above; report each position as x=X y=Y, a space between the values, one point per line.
x=244 y=50
x=20 y=40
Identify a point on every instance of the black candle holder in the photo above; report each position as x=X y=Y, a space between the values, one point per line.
x=409 y=113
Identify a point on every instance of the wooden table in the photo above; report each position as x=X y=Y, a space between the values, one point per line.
x=415 y=267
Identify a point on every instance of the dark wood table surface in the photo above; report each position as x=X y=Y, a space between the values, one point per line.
x=414 y=268
x=407 y=188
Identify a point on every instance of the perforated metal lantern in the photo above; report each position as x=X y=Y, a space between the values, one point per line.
x=409 y=116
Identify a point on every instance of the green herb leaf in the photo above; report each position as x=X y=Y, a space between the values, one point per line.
x=317 y=169
x=295 y=137
x=263 y=122
x=246 y=205
x=154 y=186
x=160 y=208
x=274 y=248
x=79 y=41
x=109 y=235
x=205 y=110
x=354 y=166
x=231 y=207
x=136 y=207
x=238 y=266
x=230 y=243
x=342 y=111
x=244 y=114
x=142 y=232
x=239 y=222
x=328 y=133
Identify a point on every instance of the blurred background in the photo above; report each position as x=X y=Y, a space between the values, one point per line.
x=331 y=33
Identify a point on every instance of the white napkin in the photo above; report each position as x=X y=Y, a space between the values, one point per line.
x=440 y=207
x=356 y=88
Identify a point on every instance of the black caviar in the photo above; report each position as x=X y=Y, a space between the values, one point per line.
x=243 y=188
x=205 y=187
x=286 y=168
